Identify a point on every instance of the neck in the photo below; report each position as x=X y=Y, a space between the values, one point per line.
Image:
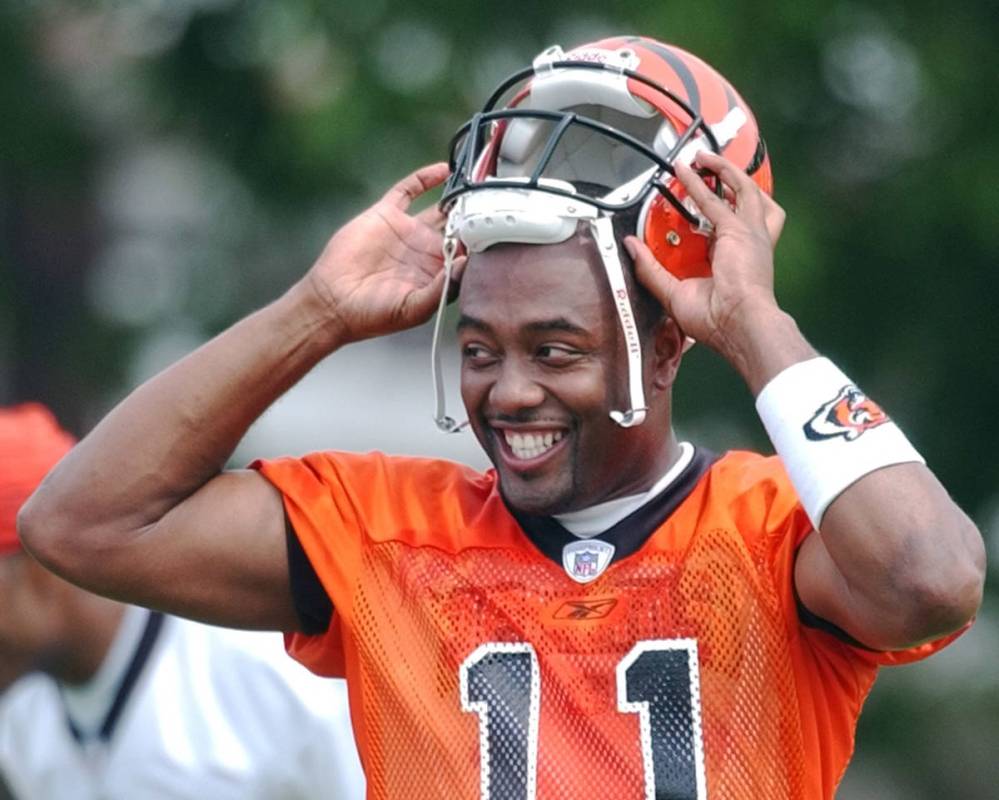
x=658 y=464
x=670 y=454
x=596 y=519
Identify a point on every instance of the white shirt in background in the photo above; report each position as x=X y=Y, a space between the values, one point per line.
x=215 y=714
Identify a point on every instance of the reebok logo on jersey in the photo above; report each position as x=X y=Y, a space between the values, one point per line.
x=585 y=609
x=849 y=414
x=583 y=612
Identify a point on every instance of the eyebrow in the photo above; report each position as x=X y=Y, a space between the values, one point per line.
x=554 y=325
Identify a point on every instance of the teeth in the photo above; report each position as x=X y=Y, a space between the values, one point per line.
x=531 y=445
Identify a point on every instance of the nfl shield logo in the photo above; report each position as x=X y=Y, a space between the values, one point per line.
x=585 y=560
x=586 y=564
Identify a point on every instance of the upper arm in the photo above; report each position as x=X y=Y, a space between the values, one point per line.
x=895 y=563
x=824 y=592
x=218 y=556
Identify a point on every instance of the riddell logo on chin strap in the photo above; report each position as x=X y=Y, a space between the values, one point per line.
x=585 y=609
x=627 y=322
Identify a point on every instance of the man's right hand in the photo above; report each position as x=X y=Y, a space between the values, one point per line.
x=383 y=271
x=143 y=509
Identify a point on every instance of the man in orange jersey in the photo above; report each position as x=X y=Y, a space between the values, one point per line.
x=610 y=612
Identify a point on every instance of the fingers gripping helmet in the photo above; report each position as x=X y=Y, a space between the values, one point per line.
x=587 y=134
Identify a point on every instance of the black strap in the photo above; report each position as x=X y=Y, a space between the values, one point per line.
x=312 y=604
x=812 y=620
x=150 y=634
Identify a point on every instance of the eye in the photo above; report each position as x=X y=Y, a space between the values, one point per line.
x=557 y=354
x=477 y=355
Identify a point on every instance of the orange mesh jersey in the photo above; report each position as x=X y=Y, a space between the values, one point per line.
x=478 y=668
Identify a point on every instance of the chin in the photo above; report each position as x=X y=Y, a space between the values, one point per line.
x=538 y=501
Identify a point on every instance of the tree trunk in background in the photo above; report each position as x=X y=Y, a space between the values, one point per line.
x=53 y=352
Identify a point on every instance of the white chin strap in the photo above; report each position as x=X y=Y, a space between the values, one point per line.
x=603 y=232
x=490 y=216
x=445 y=423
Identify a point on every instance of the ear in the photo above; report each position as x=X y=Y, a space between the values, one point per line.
x=668 y=346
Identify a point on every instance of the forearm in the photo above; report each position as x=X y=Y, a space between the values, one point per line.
x=176 y=431
x=762 y=342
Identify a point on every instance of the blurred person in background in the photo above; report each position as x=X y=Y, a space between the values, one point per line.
x=610 y=611
x=104 y=700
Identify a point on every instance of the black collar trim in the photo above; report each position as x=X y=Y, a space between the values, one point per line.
x=139 y=658
x=630 y=533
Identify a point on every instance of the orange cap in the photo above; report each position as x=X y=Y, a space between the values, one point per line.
x=31 y=442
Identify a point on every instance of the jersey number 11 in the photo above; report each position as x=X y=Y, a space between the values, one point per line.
x=658 y=680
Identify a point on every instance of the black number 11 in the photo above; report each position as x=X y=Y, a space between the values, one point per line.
x=657 y=679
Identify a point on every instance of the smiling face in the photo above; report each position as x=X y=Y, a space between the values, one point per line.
x=542 y=367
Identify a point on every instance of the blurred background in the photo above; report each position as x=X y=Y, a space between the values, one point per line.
x=168 y=165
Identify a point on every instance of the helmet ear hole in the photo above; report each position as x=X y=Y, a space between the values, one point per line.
x=677 y=246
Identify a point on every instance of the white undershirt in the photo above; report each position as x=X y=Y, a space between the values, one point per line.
x=589 y=522
x=88 y=704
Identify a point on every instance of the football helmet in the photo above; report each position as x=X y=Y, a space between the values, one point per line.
x=580 y=136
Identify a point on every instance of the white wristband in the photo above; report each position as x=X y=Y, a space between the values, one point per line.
x=827 y=432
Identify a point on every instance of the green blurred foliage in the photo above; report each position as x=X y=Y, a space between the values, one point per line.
x=881 y=120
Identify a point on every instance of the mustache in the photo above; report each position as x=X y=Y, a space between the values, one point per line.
x=526 y=417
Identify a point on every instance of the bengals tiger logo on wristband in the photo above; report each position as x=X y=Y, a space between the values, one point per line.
x=848 y=414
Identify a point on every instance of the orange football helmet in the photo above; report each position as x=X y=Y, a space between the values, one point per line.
x=594 y=132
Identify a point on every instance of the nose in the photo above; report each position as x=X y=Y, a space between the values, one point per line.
x=515 y=389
